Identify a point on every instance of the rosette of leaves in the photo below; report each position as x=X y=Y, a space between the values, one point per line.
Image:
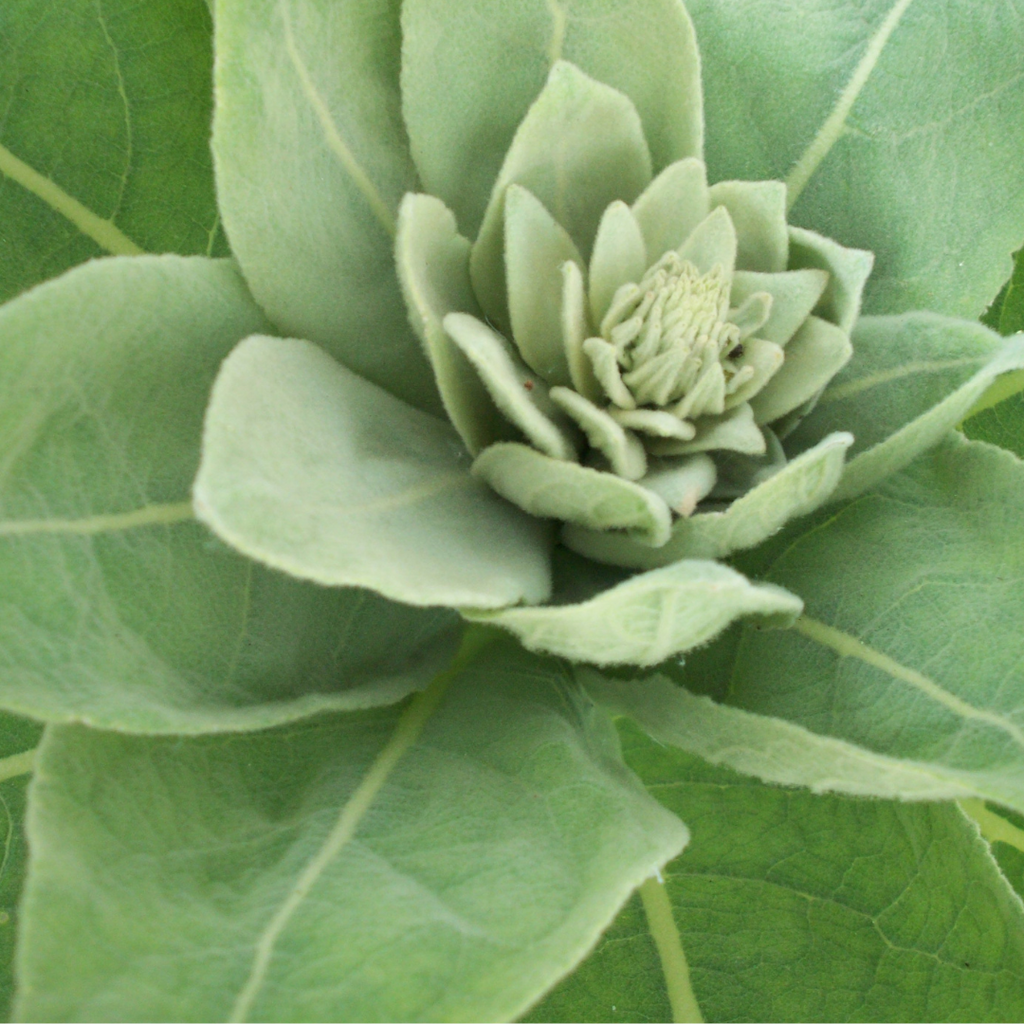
x=511 y=334
x=657 y=375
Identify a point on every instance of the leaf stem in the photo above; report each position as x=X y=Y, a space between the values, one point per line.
x=407 y=731
x=17 y=764
x=835 y=123
x=670 y=951
x=993 y=827
x=148 y=515
x=102 y=232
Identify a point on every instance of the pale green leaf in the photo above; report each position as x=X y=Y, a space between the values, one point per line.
x=471 y=71
x=313 y=470
x=433 y=266
x=115 y=608
x=312 y=161
x=758 y=211
x=104 y=143
x=648 y=618
x=911 y=649
x=619 y=257
x=515 y=389
x=579 y=148
x=556 y=489
x=712 y=243
x=536 y=247
x=814 y=355
x=910 y=380
x=794 y=907
x=806 y=483
x=683 y=483
x=576 y=330
x=389 y=865
x=899 y=122
x=848 y=271
x=735 y=431
x=672 y=206
x=794 y=294
x=623 y=450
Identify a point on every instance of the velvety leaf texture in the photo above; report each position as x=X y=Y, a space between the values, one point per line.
x=115 y=608
x=876 y=663
x=107 y=105
x=799 y=907
x=909 y=173
x=494 y=854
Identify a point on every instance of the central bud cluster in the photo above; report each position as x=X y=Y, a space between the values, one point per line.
x=667 y=342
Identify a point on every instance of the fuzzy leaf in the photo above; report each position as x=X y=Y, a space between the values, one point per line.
x=471 y=72
x=104 y=145
x=312 y=161
x=536 y=247
x=911 y=379
x=672 y=206
x=619 y=257
x=799 y=907
x=910 y=155
x=814 y=355
x=878 y=664
x=387 y=873
x=115 y=607
x=794 y=294
x=648 y=618
x=556 y=489
x=579 y=147
x=433 y=266
x=806 y=483
x=848 y=271
x=758 y=211
x=315 y=471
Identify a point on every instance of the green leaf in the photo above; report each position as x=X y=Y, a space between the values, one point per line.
x=758 y=211
x=579 y=148
x=536 y=247
x=1004 y=424
x=672 y=206
x=887 y=146
x=115 y=608
x=18 y=738
x=791 y=906
x=446 y=861
x=910 y=647
x=471 y=72
x=648 y=618
x=313 y=470
x=312 y=161
x=911 y=379
x=552 y=488
x=805 y=483
x=104 y=140
x=433 y=267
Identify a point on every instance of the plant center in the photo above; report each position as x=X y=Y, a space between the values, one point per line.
x=673 y=341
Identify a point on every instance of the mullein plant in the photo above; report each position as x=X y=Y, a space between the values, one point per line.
x=529 y=485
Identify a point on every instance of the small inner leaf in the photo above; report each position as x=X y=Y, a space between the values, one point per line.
x=758 y=211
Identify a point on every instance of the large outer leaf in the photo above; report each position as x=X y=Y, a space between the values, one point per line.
x=916 y=598
x=471 y=70
x=109 y=104
x=797 y=907
x=496 y=851
x=315 y=471
x=312 y=161
x=932 y=137
x=114 y=610
x=912 y=378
